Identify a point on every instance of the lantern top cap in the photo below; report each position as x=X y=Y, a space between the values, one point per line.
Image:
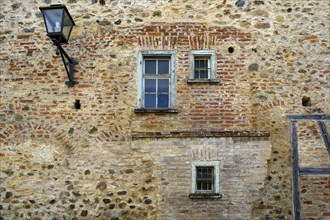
x=58 y=6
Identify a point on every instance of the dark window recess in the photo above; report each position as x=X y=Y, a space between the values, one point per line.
x=205 y=179
x=77 y=104
x=306 y=101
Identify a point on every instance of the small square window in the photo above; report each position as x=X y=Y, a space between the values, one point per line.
x=202 y=66
x=205 y=181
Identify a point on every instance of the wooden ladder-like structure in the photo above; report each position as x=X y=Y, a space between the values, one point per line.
x=297 y=171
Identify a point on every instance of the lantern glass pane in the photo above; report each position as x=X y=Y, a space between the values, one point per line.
x=67 y=25
x=53 y=19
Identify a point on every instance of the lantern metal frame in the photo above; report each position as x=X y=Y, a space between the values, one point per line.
x=58 y=37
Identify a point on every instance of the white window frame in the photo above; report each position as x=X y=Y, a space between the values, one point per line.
x=211 y=54
x=216 y=168
x=172 y=75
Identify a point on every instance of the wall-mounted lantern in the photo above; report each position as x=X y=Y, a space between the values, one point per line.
x=59 y=24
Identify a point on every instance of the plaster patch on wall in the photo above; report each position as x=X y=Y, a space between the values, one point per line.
x=43 y=153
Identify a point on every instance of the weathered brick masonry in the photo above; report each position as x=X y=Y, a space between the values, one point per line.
x=200 y=104
x=315 y=195
x=105 y=160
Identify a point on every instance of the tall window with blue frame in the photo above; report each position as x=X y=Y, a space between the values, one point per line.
x=156 y=82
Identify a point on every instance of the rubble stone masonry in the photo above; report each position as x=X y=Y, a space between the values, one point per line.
x=106 y=160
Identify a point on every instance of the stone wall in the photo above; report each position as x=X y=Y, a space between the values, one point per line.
x=60 y=161
x=42 y=178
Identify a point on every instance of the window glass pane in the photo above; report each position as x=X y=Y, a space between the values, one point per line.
x=163 y=101
x=206 y=63
x=163 y=85
x=201 y=63
x=196 y=63
x=150 y=67
x=196 y=75
x=210 y=174
x=209 y=186
x=150 y=85
x=198 y=176
x=203 y=74
x=163 y=66
x=199 y=186
x=150 y=101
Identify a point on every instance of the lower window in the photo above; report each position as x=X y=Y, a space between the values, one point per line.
x=205 y=181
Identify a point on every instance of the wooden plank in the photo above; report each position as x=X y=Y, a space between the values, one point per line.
x=325 y=135
x=314 y=171
x=295 y=172
x=309 y=117
x=201 y=134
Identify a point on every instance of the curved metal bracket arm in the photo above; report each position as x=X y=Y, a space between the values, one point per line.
x=70 y=62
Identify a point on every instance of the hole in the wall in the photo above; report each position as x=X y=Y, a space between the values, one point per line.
x=306 y=101
x=77 y=104
x=230 y=49
x=289 y=10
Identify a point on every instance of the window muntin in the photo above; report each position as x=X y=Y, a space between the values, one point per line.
x=205 y=177
x=156 y=80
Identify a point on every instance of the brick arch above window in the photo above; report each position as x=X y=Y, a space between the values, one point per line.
x=19 y=132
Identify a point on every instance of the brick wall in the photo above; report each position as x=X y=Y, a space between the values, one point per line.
x=242 y=172
x=315 y=197
x=313 y=151
x=211 y=106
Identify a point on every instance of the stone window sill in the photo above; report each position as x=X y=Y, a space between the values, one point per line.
x=206 y=81
x=205 y=196
x=167 y=110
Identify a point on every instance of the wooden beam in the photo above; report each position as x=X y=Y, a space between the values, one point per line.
x=325 y=135
x=295 y=172
x=309 y=117
x=314 y=171
x=200 y=134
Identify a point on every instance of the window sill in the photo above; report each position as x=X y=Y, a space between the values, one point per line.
x=205 y=196
x=208 y=81
x=166 y=110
